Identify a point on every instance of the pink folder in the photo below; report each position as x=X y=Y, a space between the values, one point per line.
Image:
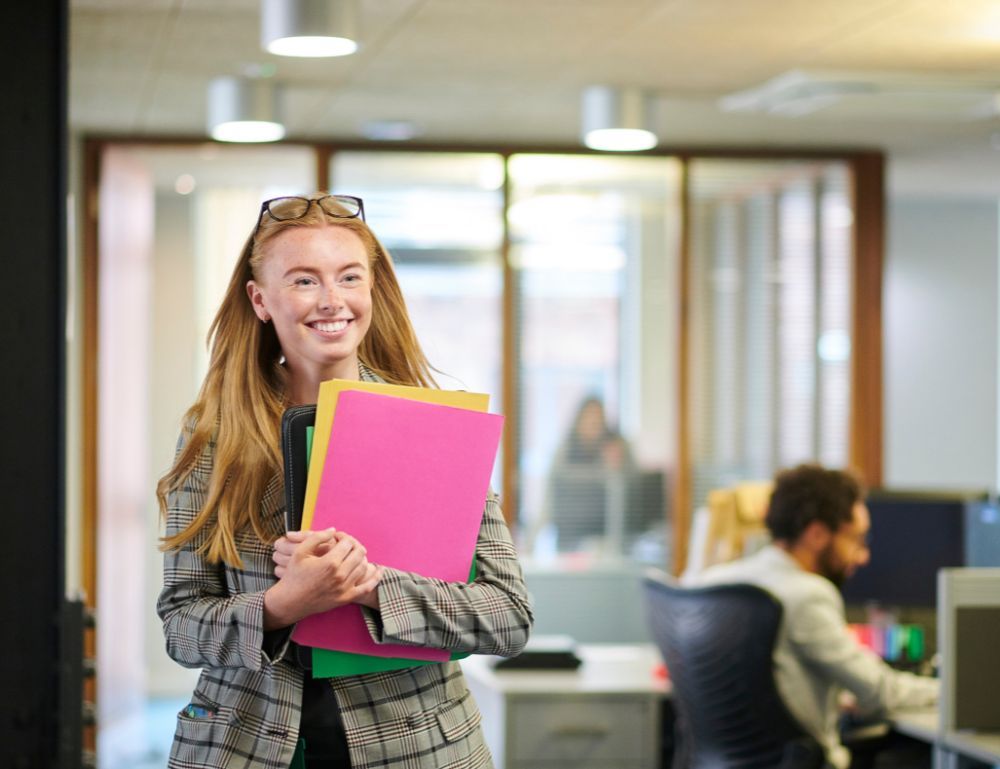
x=409 y=481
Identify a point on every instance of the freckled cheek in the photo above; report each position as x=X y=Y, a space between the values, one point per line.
x=299 y=308
x=363 y=307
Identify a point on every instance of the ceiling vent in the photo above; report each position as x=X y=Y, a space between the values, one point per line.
x=860 y=95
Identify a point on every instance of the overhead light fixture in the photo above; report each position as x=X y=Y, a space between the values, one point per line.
x=389 y=130
x=310 y=28
x=244 y=110
x=617 y=119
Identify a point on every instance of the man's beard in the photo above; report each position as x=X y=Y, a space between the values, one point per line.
x=829 y=568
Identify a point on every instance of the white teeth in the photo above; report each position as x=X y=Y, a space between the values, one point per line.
x=330 y=327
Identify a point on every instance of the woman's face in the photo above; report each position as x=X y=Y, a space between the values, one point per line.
x=590 y=426
x=315 y=285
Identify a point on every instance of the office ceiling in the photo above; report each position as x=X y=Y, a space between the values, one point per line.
x=916 y=77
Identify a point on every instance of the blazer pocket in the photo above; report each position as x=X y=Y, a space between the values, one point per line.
x=458 y=719
x=203 y=735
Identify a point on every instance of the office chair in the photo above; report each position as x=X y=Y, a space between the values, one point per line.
x=717 y=643
x=735 y=520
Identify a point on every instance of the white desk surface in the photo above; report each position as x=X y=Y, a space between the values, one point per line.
x=606 y=668
x=982 y=746
x=923 y=724
x=919 y=723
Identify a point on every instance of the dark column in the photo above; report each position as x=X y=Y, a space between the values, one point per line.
x=32 y=308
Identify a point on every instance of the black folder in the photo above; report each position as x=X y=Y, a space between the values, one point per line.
x=294 y=449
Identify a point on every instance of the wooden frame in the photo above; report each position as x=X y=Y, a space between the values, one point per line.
x=867 y=169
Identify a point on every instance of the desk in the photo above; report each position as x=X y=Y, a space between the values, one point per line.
x=952 y=750
x=606 y=713
x=918 y=723
x=979 y=746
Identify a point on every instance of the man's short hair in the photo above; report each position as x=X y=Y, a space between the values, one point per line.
x=810 y=493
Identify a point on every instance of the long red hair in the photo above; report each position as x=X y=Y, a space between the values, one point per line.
x=242 y=399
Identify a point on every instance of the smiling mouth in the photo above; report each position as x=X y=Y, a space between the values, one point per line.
x=329 y=326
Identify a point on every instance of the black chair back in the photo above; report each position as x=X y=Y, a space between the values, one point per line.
x=718 y=643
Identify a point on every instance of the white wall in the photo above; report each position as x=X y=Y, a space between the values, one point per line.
x=173 y=384
x=941 y=294
x=126 y=217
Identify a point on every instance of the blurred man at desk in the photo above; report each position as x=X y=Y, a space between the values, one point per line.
x=819 y=524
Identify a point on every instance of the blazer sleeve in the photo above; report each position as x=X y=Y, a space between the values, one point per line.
x=820 y=634
x=490 y=615
x=204 y=623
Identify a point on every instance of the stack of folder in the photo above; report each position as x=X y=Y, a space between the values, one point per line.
x=404 y=470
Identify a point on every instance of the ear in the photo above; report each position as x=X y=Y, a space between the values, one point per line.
x=816 y=536
x=257 y=301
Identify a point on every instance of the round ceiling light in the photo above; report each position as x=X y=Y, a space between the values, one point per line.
x=309 y=28
x=617 y=120
x=244 y=110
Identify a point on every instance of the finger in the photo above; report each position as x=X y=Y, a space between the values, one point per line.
x=346 y=571
x=315 y=543
x=279 y=571
x=342 y=536
x=371 y=571
x=299 y=537
x=355 y=568
x=371 y=583
x=340 y=549
x=351 y=567
x=284 y=545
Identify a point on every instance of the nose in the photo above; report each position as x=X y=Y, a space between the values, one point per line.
x=330 y=299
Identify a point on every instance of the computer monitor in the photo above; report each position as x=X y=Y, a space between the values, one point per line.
x=968 y=610
x=913 y=535
x=614 y=506
x=982 y=534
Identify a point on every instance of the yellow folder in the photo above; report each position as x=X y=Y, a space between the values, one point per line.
x=326 y=407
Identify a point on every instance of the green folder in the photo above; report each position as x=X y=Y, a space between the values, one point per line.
x=327 y=663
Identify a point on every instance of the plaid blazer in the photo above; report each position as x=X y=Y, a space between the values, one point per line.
x=247 y=702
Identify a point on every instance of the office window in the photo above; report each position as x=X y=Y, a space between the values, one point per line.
x=172 y=222
x=590 y=307
x=441 y=217
x=770 y=299
x=594 y=252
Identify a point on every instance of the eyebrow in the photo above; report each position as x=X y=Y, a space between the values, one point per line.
x=314 y=271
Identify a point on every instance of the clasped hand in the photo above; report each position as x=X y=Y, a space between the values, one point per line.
x=318 y=571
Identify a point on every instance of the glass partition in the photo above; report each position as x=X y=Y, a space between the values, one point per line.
x=593 y=280
x=172 y=223
x=441 y=217
x=594 y=246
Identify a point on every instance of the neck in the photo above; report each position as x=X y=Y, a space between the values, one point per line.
x=303 y=386
x=803 y=556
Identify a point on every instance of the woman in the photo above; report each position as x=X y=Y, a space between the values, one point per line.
x=589 y=476
x=313 y=297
